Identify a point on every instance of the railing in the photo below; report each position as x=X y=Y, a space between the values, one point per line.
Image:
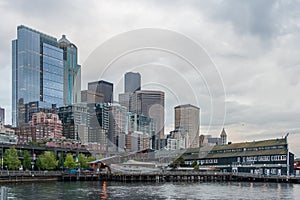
x=29 y=173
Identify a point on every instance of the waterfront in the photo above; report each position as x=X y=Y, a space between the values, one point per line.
x=183 y=190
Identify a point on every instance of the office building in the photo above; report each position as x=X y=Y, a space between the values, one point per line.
x=88 y=96
x=2 y=115
x=187 y=118
x=75 y=121
x=103 y=87
x=72 y=72
x=132 y=82
x=150 y=104
x=117 y=126
x=124 y=99
x=37 y=71
x=98 y=123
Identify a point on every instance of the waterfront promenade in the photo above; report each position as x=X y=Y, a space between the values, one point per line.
x=167 y=176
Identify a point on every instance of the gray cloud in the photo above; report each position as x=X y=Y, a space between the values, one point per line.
x=254 y=44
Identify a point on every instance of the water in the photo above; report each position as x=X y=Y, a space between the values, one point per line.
x=132 y=191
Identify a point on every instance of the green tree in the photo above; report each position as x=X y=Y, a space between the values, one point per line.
x=82 y=160
x=195 y=165
x=178 y=162
x=47 y=161
x=69 y=162
x=11 y=159
x=91 y=158
x=26 y=160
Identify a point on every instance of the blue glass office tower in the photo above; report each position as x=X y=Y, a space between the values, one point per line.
x=37 y=73
x=72 y=72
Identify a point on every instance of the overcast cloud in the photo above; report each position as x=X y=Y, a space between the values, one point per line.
x=253 y=44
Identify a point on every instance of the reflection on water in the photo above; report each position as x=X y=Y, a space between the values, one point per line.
x=104 y=195
x=118 y=190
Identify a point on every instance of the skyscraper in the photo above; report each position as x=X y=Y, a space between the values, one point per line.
x=74 y=119
x=37 y=71
x=117 y=126
x=187 y=118
x=2 y=115
x=72 y=72
x=104 y=87
x=98 y=123
x=150 y=104
x=132 y=82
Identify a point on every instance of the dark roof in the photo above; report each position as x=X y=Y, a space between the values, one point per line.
x=186 y=106
x=263 y=143
x=216 y=151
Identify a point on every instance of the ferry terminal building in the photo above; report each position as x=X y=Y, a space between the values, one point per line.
x=267 y=157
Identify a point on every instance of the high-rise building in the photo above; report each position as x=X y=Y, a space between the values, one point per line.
x=187 y=118
x=72 y=72
x=88 y=96
x=98 y=123
x=104 y=87
x=2 y=115
x=75 y=121
x=150 y=104
x=145 y=125
x=117 y=126
x=132 y=82
x=124 y=99
x=37 y=71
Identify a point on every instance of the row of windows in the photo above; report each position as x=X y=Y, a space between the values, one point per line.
x=53 y=77
x=52 y=84
x=52 y=51
x=248 y=149
x=53 y=69
x=52 y=61
x=264 y=158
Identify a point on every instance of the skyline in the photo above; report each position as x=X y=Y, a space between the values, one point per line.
x=254 y=49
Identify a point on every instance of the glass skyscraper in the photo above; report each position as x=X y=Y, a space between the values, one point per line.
x=37 y=72
x=72 y=72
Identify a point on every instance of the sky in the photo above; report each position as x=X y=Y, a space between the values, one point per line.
x=237 y=60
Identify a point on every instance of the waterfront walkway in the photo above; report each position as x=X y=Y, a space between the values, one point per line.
x=167 y=176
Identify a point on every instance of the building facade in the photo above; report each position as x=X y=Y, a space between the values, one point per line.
x=37 y=71
x=102 y=87
x=267 y=157
x=75 y=121
x=2 y=115
x=150 y=104
x=7 y=135
x=72 y=72
x=143 y=125
x=49 y=120
x=132 y=82
x=98 y=123
x=42 y=127
x=117 y=126
x=187 y=118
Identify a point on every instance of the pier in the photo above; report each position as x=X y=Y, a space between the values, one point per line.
x=169 y=176
x=178 y=176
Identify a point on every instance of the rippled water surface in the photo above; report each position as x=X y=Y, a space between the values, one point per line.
x=117 y=190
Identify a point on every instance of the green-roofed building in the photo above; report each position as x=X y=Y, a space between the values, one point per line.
x=266 y=157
